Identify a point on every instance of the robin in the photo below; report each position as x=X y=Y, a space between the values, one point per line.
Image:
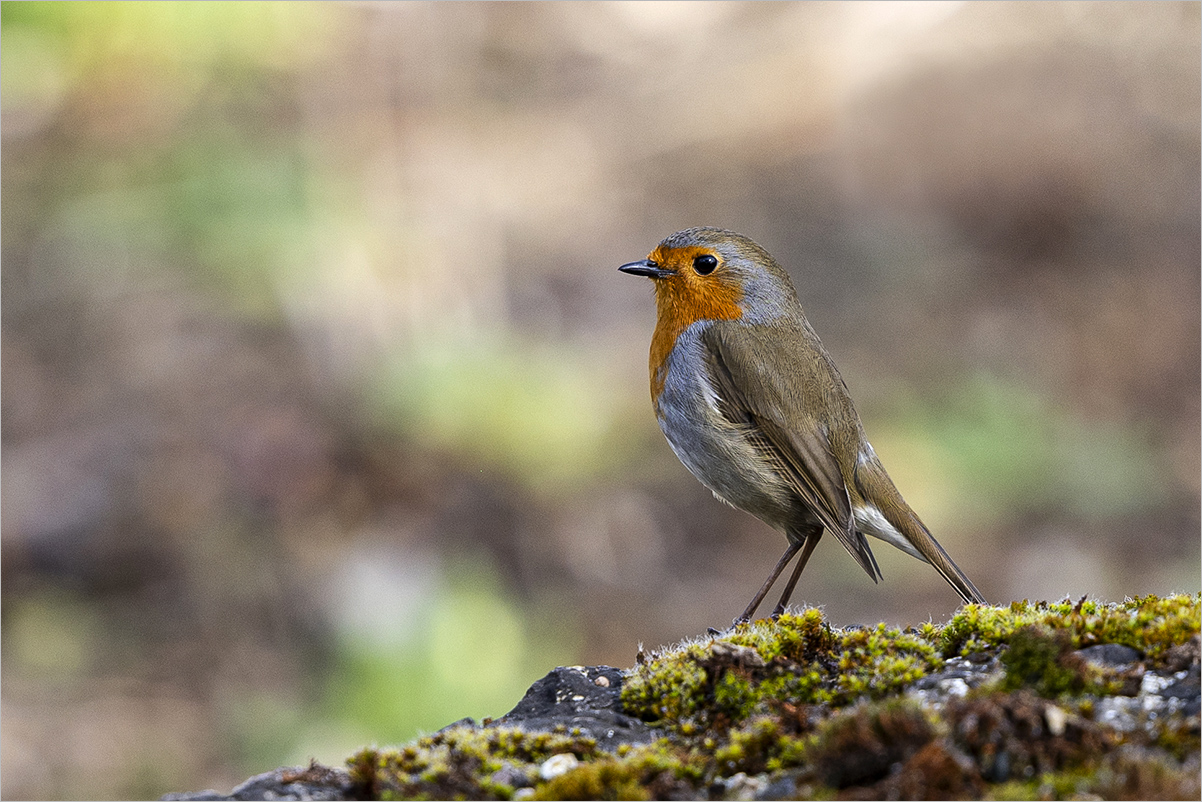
x=755 y=408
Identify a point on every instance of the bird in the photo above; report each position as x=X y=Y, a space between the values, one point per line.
x=754 y=407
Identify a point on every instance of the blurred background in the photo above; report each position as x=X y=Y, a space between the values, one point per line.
x=325 y=409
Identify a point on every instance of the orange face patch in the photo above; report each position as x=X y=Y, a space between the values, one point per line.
x=683 y=299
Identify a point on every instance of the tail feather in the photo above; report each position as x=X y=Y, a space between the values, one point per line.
x=935 y=554
x=886 y=515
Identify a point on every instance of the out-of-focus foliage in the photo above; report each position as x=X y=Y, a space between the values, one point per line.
x=470 y=650
x=1033 y=456
x=521 y=407
x=325 y=412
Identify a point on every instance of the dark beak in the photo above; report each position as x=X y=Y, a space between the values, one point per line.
x=647 y=268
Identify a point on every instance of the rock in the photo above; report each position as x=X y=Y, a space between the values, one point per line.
x=742 y=787
x=512 y=776
x=316 y=782
x=1184 y=655
x=1056 y=719
x=1110 y=655
x=1188 y=690
x=583 y=698
x=783 y=788
x=795 y=708
x=741 y=656
x=958 y=676
x=463 y=722
x=556 y=765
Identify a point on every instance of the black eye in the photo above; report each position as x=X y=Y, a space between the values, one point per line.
x=705 y=264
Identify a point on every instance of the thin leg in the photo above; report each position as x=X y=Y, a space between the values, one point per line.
x=759 y=597
x=810 y=542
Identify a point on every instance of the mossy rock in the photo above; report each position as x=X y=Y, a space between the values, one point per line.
x=1034 y=700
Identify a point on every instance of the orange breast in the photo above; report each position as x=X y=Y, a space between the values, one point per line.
x=682 y=300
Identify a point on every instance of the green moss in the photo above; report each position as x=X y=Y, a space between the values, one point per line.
x=1150 y=624
x=827 y=709
x=669 y=692
x=605 y=779
x=798 y=660
x=654 y=771
x=694 y=678
x=880 y=661
x=1041 y=659
x=456 y=763
x=734 y=696
x=761 y=745
x=800 y=637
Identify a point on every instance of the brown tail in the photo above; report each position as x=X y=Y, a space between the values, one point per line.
x=879 y=491
x=916 y=532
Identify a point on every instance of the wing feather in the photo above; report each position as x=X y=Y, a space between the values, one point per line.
x=799 y=452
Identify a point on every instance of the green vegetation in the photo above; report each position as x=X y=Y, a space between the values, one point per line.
x=648 y=772
x=826 y=711
x=457 y=763
x=799 y=658
x=1026 y=451
x=1149 y=624
x=489 y=400
x=473 y=650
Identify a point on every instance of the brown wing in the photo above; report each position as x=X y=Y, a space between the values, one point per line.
x=762 y=405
